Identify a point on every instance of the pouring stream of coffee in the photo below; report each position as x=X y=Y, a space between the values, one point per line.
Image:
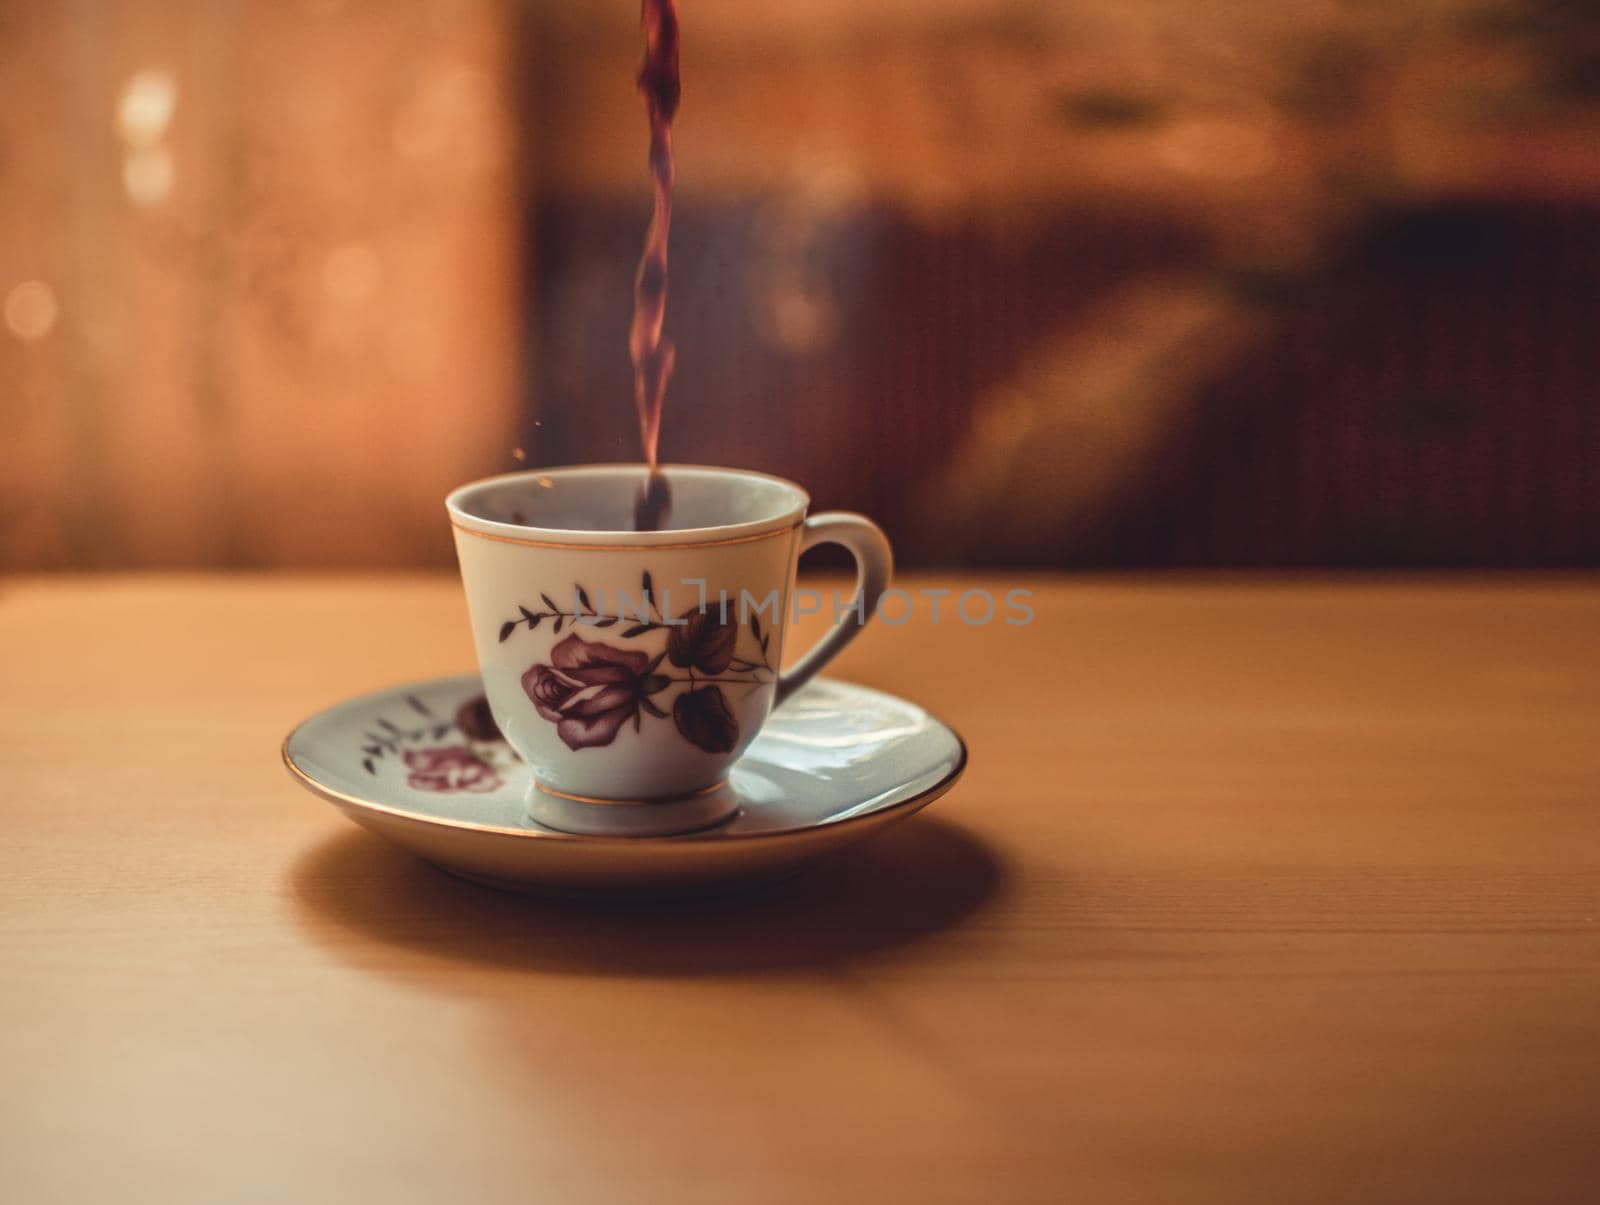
x=652 y=354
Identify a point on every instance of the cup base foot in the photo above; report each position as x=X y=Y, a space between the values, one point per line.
x=654 y=818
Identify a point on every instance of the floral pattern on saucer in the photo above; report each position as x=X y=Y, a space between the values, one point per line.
x=449 y=768
x=835 y=764
x=475 y=764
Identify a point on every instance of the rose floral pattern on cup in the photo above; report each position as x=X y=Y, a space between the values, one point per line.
x=590 y=688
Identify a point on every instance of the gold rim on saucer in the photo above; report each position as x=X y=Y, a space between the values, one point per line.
x=911 y=802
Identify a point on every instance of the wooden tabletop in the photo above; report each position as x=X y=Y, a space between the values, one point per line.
x=1254 y=891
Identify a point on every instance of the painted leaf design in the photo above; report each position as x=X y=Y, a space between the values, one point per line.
x=476 y=721
x=705 y=720
x=704 y=641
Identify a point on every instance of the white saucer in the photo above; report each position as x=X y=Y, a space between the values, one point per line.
x=834 y=764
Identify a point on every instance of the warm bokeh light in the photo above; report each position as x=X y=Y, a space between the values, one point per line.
x=1151 y=285
x=147 y=174
x=145 y=107
x=31 y=310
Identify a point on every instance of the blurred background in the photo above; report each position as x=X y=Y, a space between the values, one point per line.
x=1120 y=283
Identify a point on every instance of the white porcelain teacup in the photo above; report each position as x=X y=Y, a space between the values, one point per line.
x=631 y=668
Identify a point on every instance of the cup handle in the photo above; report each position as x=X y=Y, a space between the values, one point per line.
x=866 y=542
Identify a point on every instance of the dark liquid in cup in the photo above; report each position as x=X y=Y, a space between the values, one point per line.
x=652 y=354
x=653 y=504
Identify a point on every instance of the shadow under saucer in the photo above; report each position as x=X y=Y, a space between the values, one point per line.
x=912 y=881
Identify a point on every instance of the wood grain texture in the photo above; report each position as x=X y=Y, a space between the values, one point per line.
x=1254 y=891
